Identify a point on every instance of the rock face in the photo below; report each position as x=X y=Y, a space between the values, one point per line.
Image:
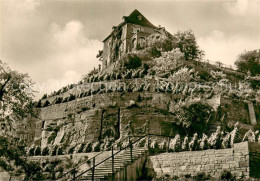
x=96 y=117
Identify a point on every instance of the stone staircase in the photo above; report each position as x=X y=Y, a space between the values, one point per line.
x=121 y=160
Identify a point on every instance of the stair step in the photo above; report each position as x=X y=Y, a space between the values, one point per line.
x=103 y=171
x=110 y=168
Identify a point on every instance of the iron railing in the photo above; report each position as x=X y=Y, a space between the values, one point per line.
x=113 y=154
x=73 y=170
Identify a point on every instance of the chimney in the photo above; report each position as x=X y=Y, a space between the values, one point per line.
x=124 y=18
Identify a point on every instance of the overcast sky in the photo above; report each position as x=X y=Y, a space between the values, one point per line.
x=56 y=41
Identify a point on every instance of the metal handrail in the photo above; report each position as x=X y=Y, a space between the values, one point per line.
x=95 y=165
x=73 y=169
x=124 y=148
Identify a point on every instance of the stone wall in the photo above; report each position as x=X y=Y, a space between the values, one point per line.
x=82 y=159
x=254 y=159
x=90 y=118
x=237 y=160
x=229 y=108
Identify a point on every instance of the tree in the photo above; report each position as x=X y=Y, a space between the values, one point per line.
x=193 y=116
x=187 y=44
x=199 y=114
x=16 y=96
x=12 y=159
x=16 y=104
x=133 y=62
x=249 y=61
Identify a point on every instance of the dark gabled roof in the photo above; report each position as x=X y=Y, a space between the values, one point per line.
x=133 y=18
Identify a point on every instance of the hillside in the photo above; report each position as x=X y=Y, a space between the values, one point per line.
x=142 y=92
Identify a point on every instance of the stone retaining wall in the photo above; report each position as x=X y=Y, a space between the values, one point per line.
x=238 y=160
x=254 y=160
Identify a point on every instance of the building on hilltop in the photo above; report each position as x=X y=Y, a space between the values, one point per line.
x=129 y=35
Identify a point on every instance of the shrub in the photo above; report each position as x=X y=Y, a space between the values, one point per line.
x=198 y=113
x=39 y=104
x=226 y=175
x=167 y=45
x=44 y=96
x=60 y=151
x=101 y=77
x=108 y=77
x=133 y=62
x=95 y=79
x=119 y=76
x=71 y=150
x=59 y=100
x=187 y=176
x=175 y=144
x=113 y=76
x=204 y=142
x=154 y=52
x=71 y=97
x=201 y=176
x=139 y=47
x=185 y=144
x=47 y=103
x=31 y=151
x=128 y=75
x=37 y=151
x=235 y=136
x=154 y=144
x=80 y=150
x=64 y=89
x=88 y=148
x=52 y=137
x=54 y=151
x=84 y=108
x=96 y=147
x=45 y=151
x=215 y=139
x=163 y=145
x=205 y=75
x=193 y=145
x=58 y=92
x=65 y=99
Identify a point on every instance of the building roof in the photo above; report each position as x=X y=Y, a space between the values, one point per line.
x=135 y=18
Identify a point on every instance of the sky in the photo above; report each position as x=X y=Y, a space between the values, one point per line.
x=56 y=41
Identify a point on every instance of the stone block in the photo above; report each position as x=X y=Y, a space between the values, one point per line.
x=226 y=166
x=243 y=164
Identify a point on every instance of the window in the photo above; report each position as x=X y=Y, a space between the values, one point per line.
x=122 y=47
x=139 y=17
x=135 y=30
x=43 y=123
x=134 y=43
x=109 y=43
x=141 y=42
x=108 y=59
